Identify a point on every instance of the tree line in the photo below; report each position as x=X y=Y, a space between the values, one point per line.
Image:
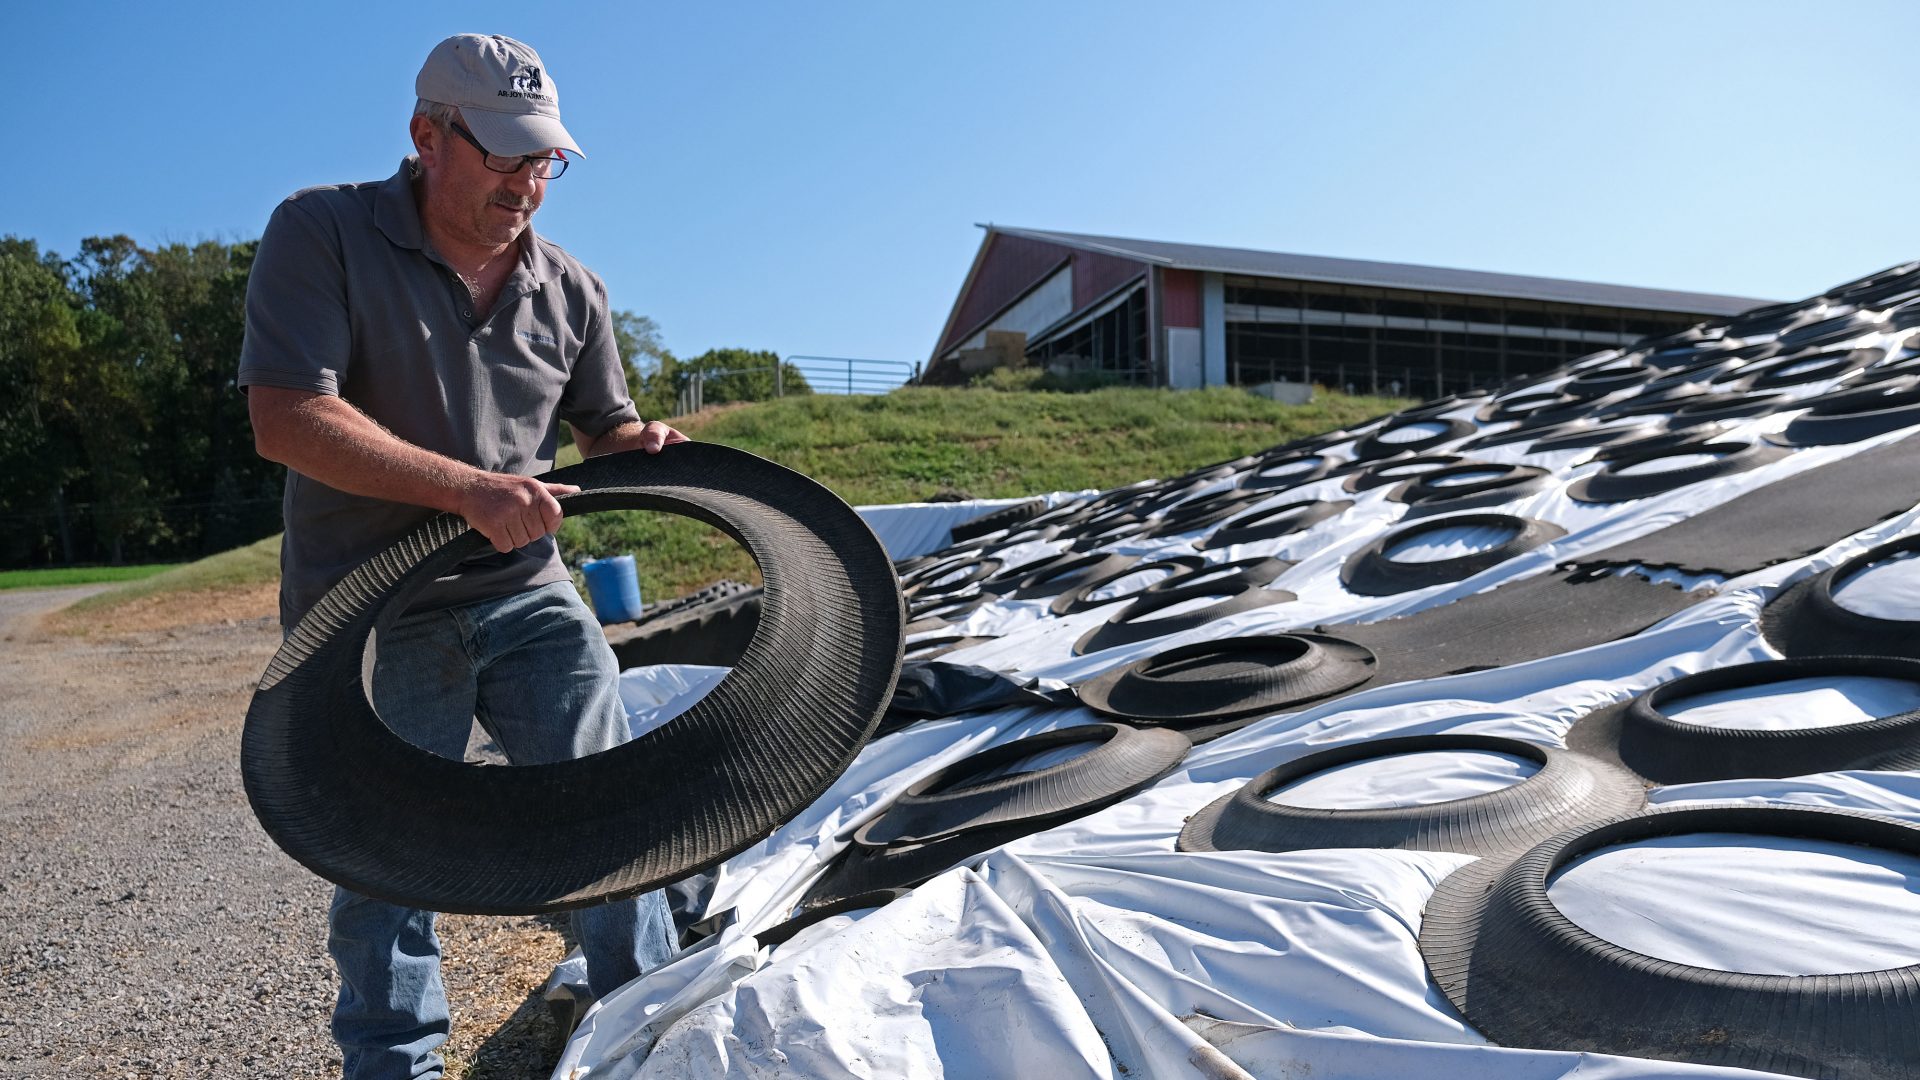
x=122 y=435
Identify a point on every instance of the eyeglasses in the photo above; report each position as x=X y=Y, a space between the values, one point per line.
x=546 y=168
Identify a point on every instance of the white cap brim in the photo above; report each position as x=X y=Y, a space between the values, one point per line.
x=511 y=134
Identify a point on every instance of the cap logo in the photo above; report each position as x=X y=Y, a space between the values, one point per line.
x=526 y=84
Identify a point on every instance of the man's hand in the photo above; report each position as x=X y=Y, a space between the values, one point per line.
x=512 y=511
x=657 y=434
x=651 y=436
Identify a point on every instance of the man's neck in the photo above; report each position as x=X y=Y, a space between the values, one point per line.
x=467 y=258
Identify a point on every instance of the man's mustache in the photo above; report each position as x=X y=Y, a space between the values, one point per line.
x=516 y=202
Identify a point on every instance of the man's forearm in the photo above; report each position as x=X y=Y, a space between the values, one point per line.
x=323 y=437
x=329 y=440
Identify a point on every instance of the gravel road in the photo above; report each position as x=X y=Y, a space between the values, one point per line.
x=148 y=927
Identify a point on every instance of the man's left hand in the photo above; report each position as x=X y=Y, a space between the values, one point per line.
x=656 y=435
x=652 y=436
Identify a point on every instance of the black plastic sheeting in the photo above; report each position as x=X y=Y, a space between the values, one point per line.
x=1522 y=620
x=929 y=689
x=1787 y=519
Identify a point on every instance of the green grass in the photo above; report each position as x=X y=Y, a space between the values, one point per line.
x=908 y=446
x=76 y=575
x=918 y=443
x=255 y=564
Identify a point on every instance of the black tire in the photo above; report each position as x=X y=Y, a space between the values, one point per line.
x=1805 y=620
x=1611 y=485
x=950 y=802
x=1568 y=787
x=342 y=794
x=1219 y=470
x=995 y=520
x=719 y=590
x=939 y=564
x=1167 y=495
x=1056 y=575
x=1518 y=434
x=1369 y=572
x=1288 y=471
x=1772 y=318
x=1612 y=378
x=939 y=610
x=1093 y=781
x=1777 y=372
x=951 y=577
x=1377 y=446
x=1856 y=413
x=1398 y=471
x=1233 y=677
x=1871 y=291
x=1080 y=598
x=1668 y=751
x=1528 y=976
x=1905 y=366
x=1271 y=523
x=1709 y=408
x=1524 y=405
x=1661 y=398
x=1832 y=331
x=1196 y=514
x=1661 y=441
x=716 y=632
x=1581 y=438
x=1258 y=570
x=1427 y=410
x=1684 y=380
x=1130 y=625
x=1428 y=494
x=1106 y=531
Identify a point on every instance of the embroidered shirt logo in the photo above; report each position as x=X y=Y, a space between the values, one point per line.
x=537 y=339
x=526 y=83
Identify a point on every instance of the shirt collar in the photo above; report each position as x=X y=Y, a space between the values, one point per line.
x=394 y=210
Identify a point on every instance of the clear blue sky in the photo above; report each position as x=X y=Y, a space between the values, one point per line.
x=805 y=177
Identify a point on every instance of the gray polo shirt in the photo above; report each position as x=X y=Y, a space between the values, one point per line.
x=347 y=298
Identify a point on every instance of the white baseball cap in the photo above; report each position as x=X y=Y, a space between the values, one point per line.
x=502 y=90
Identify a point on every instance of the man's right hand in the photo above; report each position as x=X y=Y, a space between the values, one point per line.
x=512 y=511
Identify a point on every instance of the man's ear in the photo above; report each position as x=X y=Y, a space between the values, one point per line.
x=428 y=141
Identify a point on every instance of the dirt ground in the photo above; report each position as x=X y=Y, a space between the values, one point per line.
x=148 y=927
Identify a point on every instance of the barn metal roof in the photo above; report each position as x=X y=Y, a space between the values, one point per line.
x=1392 y=275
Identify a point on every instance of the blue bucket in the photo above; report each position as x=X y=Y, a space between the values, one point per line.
x=614 y=585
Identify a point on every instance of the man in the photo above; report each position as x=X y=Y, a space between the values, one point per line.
x=409 y=345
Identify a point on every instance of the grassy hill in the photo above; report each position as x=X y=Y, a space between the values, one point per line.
x=917 y=444
x=912 y=445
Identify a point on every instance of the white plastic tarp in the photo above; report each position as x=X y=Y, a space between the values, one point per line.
x=1097 y=949
x=909 y=529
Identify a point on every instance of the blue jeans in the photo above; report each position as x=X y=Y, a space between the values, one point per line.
x=535 y=670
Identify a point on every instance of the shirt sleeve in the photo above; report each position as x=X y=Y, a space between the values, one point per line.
x=298 y=334
x=595 y=400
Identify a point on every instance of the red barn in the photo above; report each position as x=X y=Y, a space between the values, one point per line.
x=1188 y=315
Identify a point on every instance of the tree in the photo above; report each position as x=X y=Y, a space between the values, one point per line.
x=638 y=338
x=740 y=375
x=121 y=432
x=39 y=340
x=649 y=365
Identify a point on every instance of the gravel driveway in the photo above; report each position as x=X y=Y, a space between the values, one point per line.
x=148 y=928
